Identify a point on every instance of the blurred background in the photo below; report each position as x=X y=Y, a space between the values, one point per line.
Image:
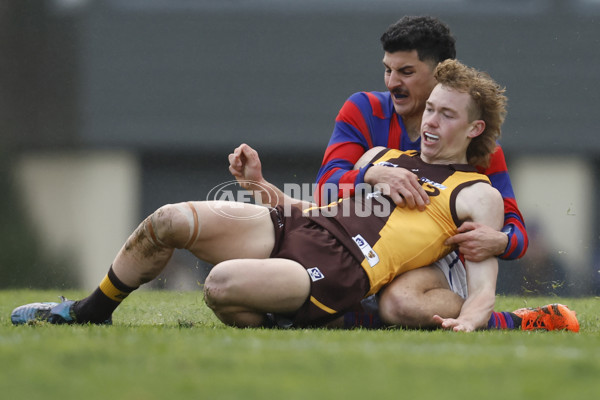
x=112 y=108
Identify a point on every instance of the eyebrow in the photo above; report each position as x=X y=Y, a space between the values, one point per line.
x=452 y=110
x=403 y=68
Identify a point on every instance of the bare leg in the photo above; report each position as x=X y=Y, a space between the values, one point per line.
x=413 y=298
x=213 y=231
x=241 y=291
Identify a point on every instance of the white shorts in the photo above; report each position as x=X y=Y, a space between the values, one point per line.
x=454 y=271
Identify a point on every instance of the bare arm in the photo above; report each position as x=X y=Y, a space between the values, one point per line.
x=476 y=310
x=366 y=158
x=481 y=204
x=477 y=242
x=245 y=166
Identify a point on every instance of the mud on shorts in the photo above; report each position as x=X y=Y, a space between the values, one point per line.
x=338 y=282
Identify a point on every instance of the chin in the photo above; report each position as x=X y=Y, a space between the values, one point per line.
x=401 y=109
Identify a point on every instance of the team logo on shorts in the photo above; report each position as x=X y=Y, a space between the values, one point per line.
x=367 y=250
x=315 y=274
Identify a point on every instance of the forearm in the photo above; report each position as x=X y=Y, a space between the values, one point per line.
x=514 y=225
x=517 y=240
x=483 y=205
x=481 y=281
x=267 y=194
x=347 y=144
x=478 y=307
x=337 y=180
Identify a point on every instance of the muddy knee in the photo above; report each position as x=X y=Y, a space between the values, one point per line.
x=174 y=225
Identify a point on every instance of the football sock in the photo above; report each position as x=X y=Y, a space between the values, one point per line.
x=99 y=306
x=361 y=319
x=504 y=320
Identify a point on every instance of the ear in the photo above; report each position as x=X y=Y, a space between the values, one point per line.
x=477 y=128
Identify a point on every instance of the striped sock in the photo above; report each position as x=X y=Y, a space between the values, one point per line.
x=99 y=306
x=502 y=320
x=361 y=319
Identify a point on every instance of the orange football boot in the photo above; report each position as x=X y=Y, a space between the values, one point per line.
x=551 y=317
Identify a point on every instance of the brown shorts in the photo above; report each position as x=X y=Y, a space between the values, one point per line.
x=338 y=282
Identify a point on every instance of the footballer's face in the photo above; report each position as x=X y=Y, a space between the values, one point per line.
x=446 y=128
x=409 y=81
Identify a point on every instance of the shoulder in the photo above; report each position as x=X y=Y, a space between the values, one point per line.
x=381 y=97
x=375 y=101
x=370 y=156
x=480 y=190
x=386 y=154
x=380 y=154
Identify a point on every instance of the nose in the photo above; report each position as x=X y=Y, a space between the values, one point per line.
x=394 y=80
x=430 y=119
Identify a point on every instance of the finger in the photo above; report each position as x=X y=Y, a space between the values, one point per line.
x=421 y=196
x=422 y=202
x=467 y=250
x=449 y=323
x=467 y=226
x=410 y=192
x=235 y=164
x=235 y=172
x=238 y=150
x=409 y=199
x=416 y=194
x=473 y=256
x=251 y=155
x=233 y=159
x=398 y=199
x=445 y=323
x=462 y=238
x=456 y=239
x=247 y=150
x=450 y=241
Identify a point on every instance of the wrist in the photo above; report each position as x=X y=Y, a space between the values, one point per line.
x=506 y=233
x=366 y=174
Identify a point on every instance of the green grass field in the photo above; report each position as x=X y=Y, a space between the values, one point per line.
x=167 y=345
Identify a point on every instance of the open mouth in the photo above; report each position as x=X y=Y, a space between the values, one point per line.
x=430 y=137
x=399 y=94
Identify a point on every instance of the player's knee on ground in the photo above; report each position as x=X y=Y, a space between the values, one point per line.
x=415 y=309
x=174 y=225
x=395 y=308
x=216 y=289
x=222 y=297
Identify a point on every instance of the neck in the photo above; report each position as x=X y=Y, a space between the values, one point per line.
x=413 y=127
x=444 y=160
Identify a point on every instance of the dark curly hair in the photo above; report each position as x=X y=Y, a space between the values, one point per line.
x=429 y=36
